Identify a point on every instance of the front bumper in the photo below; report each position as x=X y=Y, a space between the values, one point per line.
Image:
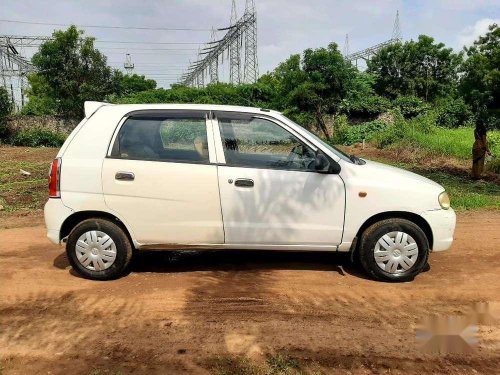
x=55 y=213
x=442 y=223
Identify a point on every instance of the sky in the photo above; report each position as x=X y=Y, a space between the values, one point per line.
x=285 y=27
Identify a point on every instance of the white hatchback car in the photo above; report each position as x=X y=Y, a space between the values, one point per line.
x=172 y=176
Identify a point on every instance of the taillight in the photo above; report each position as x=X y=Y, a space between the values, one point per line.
x=55 y=179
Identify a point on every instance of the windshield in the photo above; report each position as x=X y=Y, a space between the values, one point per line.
x=341 y=154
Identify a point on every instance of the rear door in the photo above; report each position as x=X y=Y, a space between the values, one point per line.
x=270 y=191
x=159 y=178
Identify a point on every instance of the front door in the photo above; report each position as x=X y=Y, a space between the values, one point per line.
x=270 y=192
x=159 y=178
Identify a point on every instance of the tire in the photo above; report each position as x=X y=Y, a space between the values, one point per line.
x=403 y=261
x=98 y=249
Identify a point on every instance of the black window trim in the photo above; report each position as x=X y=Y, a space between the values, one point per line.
x=158 y=113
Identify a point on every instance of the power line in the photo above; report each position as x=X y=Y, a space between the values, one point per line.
x=151 y=53
x=150 y=49
x=131 y=42
x=113 y=63
x=107 y=26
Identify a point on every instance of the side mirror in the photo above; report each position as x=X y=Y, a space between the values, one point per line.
x=322 y=164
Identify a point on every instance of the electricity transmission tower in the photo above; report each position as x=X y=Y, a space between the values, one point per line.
x=128 y=65
x=241 y=35
x=251 y=72
x=234 y=50
x=14 y=67
x=214 y=63
x=367 y=53
x=345 y=52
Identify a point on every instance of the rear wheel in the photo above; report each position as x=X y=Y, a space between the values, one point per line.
x=99 y=249
x=394 y=250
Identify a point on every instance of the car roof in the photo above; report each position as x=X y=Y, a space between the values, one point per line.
x=92 y=107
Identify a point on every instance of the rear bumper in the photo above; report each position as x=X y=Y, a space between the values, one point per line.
x=55 y=213
x=442 y=223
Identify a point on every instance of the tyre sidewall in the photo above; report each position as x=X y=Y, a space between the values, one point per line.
x=374 y=233
x=123 y=249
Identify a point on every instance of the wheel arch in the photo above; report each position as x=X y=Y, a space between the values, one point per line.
x=417 y=219
x=77 y=217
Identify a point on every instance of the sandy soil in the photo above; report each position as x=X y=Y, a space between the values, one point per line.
x=183 y=312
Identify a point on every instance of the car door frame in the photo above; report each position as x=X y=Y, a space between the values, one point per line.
x=221 y=162
x=211 y=162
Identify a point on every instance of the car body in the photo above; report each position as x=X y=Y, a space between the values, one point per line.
x=182 y=176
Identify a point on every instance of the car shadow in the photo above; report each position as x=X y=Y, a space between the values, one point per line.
x=242 y=260
x=233 y=260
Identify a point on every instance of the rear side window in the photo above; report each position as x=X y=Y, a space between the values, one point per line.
x=162 y=138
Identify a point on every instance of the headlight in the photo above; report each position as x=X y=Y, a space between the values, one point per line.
x=444 y=200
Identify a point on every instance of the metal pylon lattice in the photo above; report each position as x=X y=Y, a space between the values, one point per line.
x=239 y=44
x=396 y=30
x=367 y=53
x=214 y=63
x=234 y=50
x=14 y=66
x=251 y=71
x=128 y=64
x=345 y=52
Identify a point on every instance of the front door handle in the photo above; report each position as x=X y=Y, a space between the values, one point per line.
x=124 y=176
x=243 y=182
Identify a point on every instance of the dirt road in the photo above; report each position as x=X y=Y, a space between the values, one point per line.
x=240 y=312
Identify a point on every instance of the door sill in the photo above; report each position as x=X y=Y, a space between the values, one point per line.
x=181 y=247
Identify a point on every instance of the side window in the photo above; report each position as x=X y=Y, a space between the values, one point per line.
x=260 y=143
x=163 y=139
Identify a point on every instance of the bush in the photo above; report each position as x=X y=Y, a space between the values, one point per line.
x=366 y=106
x=453 y=113
x=40 y=106
x=366 y=131
x=410 y=106
x=393 y=133
x=494 y=165
x=5 y=109
x=37 y=137
x=340 y=128
x=5 y=103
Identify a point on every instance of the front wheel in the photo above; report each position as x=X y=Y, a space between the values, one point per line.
x=98 y=249
x=394 y=250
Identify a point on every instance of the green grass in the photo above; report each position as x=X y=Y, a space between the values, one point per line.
x=275 y=365
x=18 y=192
x=448 y=142
x=456 y=143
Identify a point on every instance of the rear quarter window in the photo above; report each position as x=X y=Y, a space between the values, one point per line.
x=162 y=139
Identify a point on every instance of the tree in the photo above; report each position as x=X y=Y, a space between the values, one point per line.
x=72 y=71
x=5 y=103
x=480 y=83
x=40 y=102
x=420 y=68
x=130 y=84
x=317 y=83
x=5 y=109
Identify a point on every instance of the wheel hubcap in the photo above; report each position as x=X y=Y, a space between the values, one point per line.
x=95 y=250
x=396 y=252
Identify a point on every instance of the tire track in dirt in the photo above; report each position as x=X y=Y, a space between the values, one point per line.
x=176 y=312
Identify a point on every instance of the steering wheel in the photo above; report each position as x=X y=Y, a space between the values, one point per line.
x=295 y=158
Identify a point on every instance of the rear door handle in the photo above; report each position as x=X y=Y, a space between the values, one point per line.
x=243 y=182
x=124 y=176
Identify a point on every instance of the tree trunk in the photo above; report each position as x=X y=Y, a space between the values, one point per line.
x=321 y=123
